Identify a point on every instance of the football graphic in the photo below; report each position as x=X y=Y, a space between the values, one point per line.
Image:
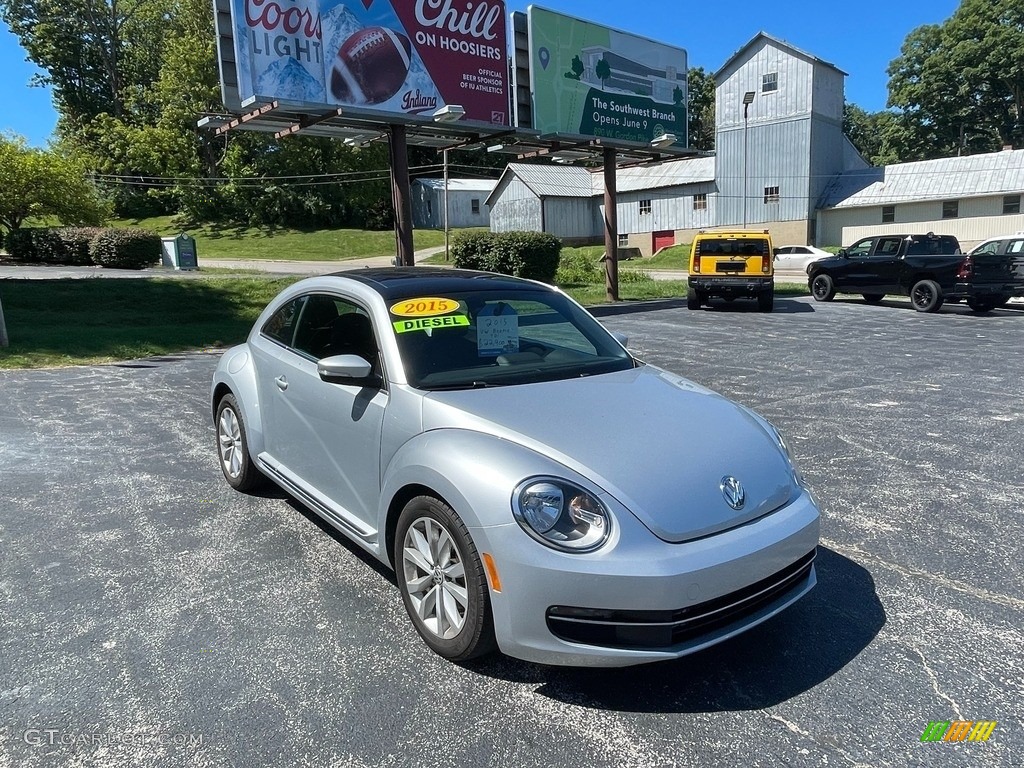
x=370 y=66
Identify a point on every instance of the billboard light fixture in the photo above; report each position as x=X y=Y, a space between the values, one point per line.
x=665 y=140
x=449 y=113
x=748 y=97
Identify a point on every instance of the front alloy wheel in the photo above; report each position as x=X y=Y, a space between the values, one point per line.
x=233 y=447
x=442 y=581
x=823 y=288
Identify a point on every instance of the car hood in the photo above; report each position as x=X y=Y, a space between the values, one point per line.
x=659 y=444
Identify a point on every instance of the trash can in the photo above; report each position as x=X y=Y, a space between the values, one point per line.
x=180 y=252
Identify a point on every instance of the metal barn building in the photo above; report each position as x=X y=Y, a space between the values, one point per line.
x=781 y=163
x=466 y=203
x=545 y=198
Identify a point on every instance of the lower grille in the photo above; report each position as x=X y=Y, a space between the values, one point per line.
x=664 y=629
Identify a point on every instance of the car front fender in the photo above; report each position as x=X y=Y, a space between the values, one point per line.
x=473 y=472
x=236 y=373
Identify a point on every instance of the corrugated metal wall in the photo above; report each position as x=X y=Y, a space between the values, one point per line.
x=571 y=217
x=516 y=208
x=980 y=218
x=671 y=208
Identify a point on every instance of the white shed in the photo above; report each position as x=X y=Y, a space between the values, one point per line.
x=466 y=203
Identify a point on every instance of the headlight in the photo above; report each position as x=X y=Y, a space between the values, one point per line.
x=561 y=514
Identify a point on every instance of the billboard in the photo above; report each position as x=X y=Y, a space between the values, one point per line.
x=405 y=58
x=589 y=80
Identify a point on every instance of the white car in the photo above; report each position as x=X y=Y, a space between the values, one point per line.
x=797 y=257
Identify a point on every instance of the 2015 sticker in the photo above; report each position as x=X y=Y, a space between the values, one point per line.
x=430 y=323
x=428 y=306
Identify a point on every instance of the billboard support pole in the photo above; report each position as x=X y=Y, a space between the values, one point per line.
x=400 y=191
x=611 y=228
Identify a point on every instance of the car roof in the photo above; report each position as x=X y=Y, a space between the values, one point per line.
x=400 y=282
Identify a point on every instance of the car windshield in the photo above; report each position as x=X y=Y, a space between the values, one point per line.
x=487 y=338
x=732 y=246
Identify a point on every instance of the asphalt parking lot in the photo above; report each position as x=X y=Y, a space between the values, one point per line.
x=154 y=617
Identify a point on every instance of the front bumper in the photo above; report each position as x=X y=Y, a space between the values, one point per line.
x=640 y=599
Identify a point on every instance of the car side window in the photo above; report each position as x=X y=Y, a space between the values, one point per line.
x=330 y=326
x=989 y=249
x=1015 y=246
x=862 y=248
x=281 y=325
x=888 y=246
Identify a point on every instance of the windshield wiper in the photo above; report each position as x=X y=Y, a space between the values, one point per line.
x=464 y=385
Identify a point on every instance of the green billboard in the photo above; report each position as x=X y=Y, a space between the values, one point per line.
x=592 y=81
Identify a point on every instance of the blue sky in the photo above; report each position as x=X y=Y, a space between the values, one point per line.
x=859 y=38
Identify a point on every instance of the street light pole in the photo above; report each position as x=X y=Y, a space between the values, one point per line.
x=748 y=97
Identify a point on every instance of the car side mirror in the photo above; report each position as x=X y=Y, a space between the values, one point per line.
x=775 y=252
x=622 y=338
x=350 y=370
x=843 y=253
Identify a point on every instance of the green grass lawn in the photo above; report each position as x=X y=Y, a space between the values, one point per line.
x=74 y=322
x=217 y=241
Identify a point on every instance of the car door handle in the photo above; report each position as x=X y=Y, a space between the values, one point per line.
x=282 y=383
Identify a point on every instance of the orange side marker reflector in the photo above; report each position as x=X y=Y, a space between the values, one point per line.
x=492 y=573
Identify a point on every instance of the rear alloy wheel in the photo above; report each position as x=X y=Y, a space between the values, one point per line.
x=766 y=300
x=823 y=288
x=873 y=298
x=926 y=296
x=233 y=447
x=442 y=580
x=693 y=298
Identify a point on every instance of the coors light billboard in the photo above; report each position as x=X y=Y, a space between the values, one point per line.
x=410 y=57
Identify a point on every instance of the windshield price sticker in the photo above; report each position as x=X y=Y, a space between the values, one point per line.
x=497 y=330
x=428 y=324
x=429 y=306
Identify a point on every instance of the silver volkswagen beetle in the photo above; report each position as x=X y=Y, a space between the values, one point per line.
x=535 y=488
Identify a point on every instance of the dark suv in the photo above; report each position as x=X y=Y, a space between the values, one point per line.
x=928 y=268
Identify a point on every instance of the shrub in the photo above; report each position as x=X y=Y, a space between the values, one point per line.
x=20 y=245
x=126 y=248
x=472 y=250
x=634 y=276
x=576 y=267
x=76 y=244
x=531 y=255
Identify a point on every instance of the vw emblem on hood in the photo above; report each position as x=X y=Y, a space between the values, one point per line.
x=733 y=492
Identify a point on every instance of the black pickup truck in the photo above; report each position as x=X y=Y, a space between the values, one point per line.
x=930 y=269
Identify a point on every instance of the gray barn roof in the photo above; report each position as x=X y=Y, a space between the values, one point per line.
x=573 y=181
x=944 y=179
x=460 y=185
x=742 y=52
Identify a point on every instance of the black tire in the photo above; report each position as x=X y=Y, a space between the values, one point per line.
x=435 y=525
x=693 y=298
x=766 y=300
x=1002 y=300
x=873 y=298
x=981 y=305
x=926 y=296
x=233 y=447
x=823 y=288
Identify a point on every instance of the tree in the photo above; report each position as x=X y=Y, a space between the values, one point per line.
x=603 y=70
x=959 y=86
x=96 y=54
x=44 y=182
x=701 y=109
